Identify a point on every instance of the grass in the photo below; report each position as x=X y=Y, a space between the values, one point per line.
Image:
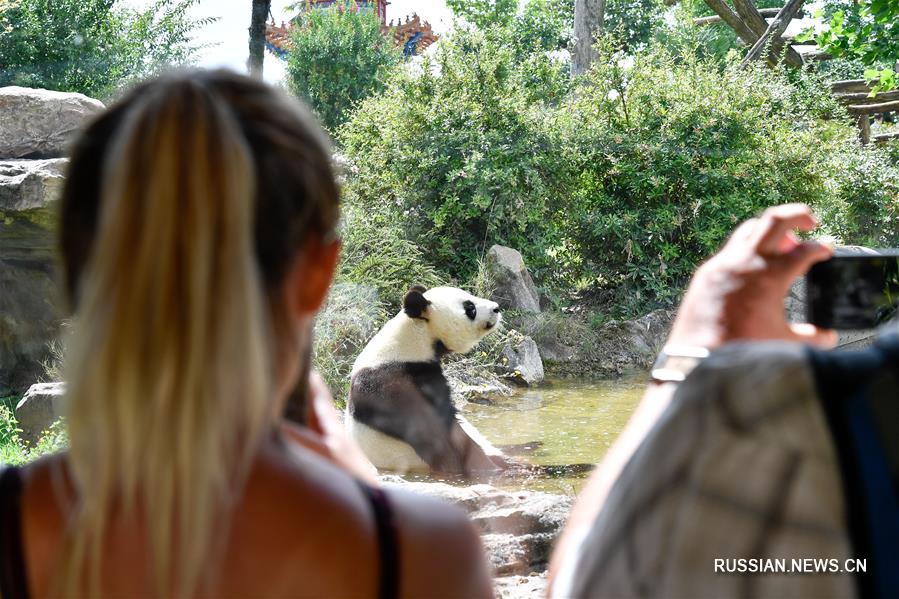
x=15 y=451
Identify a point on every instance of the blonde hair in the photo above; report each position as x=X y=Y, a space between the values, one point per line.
x=171 y=369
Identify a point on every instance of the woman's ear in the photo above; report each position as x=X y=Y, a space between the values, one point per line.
x=311 y=275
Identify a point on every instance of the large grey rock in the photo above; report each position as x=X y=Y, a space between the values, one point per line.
x=41 y=407
x=514 y=288
x=30 y=314
x=522 y=363
x=39 y=123
x=27 y=184
x=571 y=345
x=518 y=529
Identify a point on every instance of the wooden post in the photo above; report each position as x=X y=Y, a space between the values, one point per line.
x=774 y=31
x=873 y=108
x=757 y=24
x=588 y=20
x=864 y=129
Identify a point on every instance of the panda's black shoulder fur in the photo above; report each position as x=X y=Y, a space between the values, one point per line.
x=418 y=391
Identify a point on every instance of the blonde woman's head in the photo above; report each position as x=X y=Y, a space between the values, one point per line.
x=197 y=242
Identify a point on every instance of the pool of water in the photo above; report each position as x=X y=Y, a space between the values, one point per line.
x=563 y=426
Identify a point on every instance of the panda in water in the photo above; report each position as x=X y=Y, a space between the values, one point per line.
x=400 y=410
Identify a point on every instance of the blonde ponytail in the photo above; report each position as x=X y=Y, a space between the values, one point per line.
x=170 y=369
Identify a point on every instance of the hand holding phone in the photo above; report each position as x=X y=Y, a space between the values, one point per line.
x=858 y=291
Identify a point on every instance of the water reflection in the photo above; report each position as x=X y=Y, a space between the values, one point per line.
x=563 y=428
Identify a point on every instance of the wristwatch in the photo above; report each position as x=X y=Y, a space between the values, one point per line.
x=676 y=361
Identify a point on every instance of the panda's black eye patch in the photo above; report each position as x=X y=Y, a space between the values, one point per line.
x=470 y=310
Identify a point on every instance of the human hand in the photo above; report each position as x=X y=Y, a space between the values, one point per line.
x=325 y=434
x=739 y=293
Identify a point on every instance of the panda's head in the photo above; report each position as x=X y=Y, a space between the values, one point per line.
x=455 y=318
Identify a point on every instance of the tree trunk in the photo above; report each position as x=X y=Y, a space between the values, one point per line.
x=257 y=36
x=588 y=20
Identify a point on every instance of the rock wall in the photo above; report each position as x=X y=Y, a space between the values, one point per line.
x=518 y=529
x=35 y=130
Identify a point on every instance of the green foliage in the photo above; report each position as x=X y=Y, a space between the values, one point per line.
x=666 y=164
x=867 y=31
x=633 y=23
x=544 y=25
x=484 y=13
x=625 y=184
x=714 y=41
x=14 y=451
x=91 y=46
x=457 y=155
x=337 y=58
x=377 y=255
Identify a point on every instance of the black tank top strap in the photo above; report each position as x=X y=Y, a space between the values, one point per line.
x=388 y=542
x=13 y=581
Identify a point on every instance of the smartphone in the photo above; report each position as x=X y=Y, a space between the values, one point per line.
x=858 y=291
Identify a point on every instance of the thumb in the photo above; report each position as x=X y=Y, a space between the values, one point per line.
x=809 y=333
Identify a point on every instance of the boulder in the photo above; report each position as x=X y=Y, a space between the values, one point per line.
x=39 y=123
x=517 y=528
x=28 y=184
x=522 y=363
x=41 y=407
x=573 y=346
x=514 y=288
x=30 y=313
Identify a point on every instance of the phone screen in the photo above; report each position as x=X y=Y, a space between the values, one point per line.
x=853 y=292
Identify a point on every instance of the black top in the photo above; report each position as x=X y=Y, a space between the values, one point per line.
x=13 y=578
x=859 y=395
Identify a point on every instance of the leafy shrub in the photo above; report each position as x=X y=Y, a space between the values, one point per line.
x=457 y=155
x=627 y=183
x=91 y=46
x=669 y=156
x=377 y=255
x=14 y=451
x=351 y=316
x=337 y=58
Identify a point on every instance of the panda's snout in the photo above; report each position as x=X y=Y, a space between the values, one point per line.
x=495 y=317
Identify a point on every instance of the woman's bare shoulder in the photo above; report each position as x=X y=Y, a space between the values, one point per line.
x=442 y=555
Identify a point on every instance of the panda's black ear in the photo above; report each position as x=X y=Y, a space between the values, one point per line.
x=414 y=302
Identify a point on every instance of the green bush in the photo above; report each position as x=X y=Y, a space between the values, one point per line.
x=670 y=155
x=14 y=451
x=337 y=58
x=457 y=155
x=94 y=47
x=624 y=185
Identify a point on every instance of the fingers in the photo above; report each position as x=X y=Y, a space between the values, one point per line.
x=775 y=225
x=798 y=261
x=809 y=333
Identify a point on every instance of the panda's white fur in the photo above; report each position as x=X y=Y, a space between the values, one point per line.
x=405 y=339
x=452 y=321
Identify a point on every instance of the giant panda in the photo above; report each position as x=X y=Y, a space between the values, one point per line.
x=399 y=409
